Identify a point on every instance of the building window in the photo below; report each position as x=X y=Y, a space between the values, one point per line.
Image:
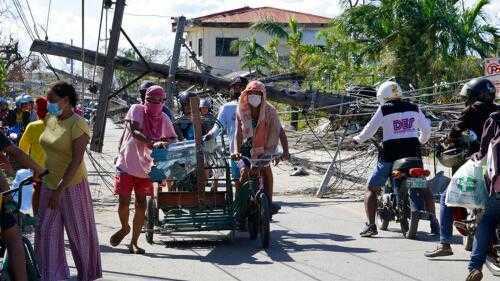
x=200 y=47
x=190 y=44
x=223 y=47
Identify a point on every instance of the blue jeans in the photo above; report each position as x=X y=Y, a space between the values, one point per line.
x=485 y=234
x=445 y=221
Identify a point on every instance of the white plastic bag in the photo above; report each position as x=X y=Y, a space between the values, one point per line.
x=467 y=187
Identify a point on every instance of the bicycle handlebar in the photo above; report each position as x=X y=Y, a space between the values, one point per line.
x=22 y=184
x=261 y=162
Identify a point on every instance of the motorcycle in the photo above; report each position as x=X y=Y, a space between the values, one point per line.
x=453 y=156
x=403 y=199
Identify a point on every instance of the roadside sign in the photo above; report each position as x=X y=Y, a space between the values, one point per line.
x=492 y=70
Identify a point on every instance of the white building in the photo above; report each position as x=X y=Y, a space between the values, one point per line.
x=210 y=36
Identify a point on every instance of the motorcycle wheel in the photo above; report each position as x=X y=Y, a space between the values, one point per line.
x=469 y=240
x=383 y=223
x=404 y=226
x=412 y=231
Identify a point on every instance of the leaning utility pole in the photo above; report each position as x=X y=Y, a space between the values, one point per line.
x=107 y=79
x=174 y=62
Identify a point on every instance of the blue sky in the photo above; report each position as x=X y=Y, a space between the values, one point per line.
x=65 y=19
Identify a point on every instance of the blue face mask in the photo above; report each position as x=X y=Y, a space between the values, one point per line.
x=54 y=109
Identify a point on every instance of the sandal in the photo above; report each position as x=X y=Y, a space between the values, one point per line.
x=117 y=238
x=134 y=249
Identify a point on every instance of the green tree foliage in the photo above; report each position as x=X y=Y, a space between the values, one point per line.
x=254 y=56
x=3 y=78
x=421 y=42
x=300 y=55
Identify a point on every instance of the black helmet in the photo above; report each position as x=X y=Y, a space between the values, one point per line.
x=145 y=85
x=185 y=96
x=458 y=154
x=238 y=80
x=478 y=89
x=453 y=157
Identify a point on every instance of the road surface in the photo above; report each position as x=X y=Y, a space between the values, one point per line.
x=312 y=239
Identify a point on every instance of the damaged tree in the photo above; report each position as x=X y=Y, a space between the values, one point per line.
x=298 y=99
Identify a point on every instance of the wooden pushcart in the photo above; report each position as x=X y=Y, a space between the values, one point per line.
x=198 y=194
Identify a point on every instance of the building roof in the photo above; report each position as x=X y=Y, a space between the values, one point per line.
x=246 y=16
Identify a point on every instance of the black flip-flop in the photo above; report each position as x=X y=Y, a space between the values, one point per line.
x=136 y=250
x=117 y=238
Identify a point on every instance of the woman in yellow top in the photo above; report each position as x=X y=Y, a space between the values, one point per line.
x=30 y=143
x=65 y=201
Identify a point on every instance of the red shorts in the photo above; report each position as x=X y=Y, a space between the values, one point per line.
x=125 y=183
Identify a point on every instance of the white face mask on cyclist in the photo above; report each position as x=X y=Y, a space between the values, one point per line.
x=254 y=100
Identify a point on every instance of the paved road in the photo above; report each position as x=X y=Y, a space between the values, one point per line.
x=312 y=239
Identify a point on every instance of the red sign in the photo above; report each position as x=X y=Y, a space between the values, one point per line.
x=492 y=70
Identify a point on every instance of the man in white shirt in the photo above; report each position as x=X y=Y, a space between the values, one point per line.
x=405 y=128
x=227 y=118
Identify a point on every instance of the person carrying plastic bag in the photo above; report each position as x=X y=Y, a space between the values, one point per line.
x=484 y=235
x=467 y=187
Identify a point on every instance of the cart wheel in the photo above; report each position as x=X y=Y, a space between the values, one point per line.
x=151 y=219
x=264 y=221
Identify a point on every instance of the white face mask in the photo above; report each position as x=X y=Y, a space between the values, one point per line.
x=254 y=100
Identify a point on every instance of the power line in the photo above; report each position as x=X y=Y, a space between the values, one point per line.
x=33 y=19
x=83 y=48
x=22 y=16
x=47 y=22
x=98 y=41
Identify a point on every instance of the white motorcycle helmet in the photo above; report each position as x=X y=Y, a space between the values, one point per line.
x=387 y=91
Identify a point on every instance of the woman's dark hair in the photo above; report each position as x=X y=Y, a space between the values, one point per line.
x=64 y=89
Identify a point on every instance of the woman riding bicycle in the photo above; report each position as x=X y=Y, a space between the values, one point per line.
x=258 y=133
x=9 y=229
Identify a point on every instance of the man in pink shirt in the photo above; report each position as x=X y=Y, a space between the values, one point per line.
x=146 y=127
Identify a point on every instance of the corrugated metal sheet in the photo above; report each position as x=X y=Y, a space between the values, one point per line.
x=252 y=15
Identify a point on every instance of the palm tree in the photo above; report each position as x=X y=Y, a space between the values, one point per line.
x=473 y=34
x=415 y=39
x=298 y=59
x=254 y=56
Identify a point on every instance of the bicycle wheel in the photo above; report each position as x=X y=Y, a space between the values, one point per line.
x=151 y=219
x=253 y=226
x=264 y=220
x=31 y=265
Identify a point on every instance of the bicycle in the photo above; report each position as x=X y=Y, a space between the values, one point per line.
x=252 y=205
x=14 y=207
